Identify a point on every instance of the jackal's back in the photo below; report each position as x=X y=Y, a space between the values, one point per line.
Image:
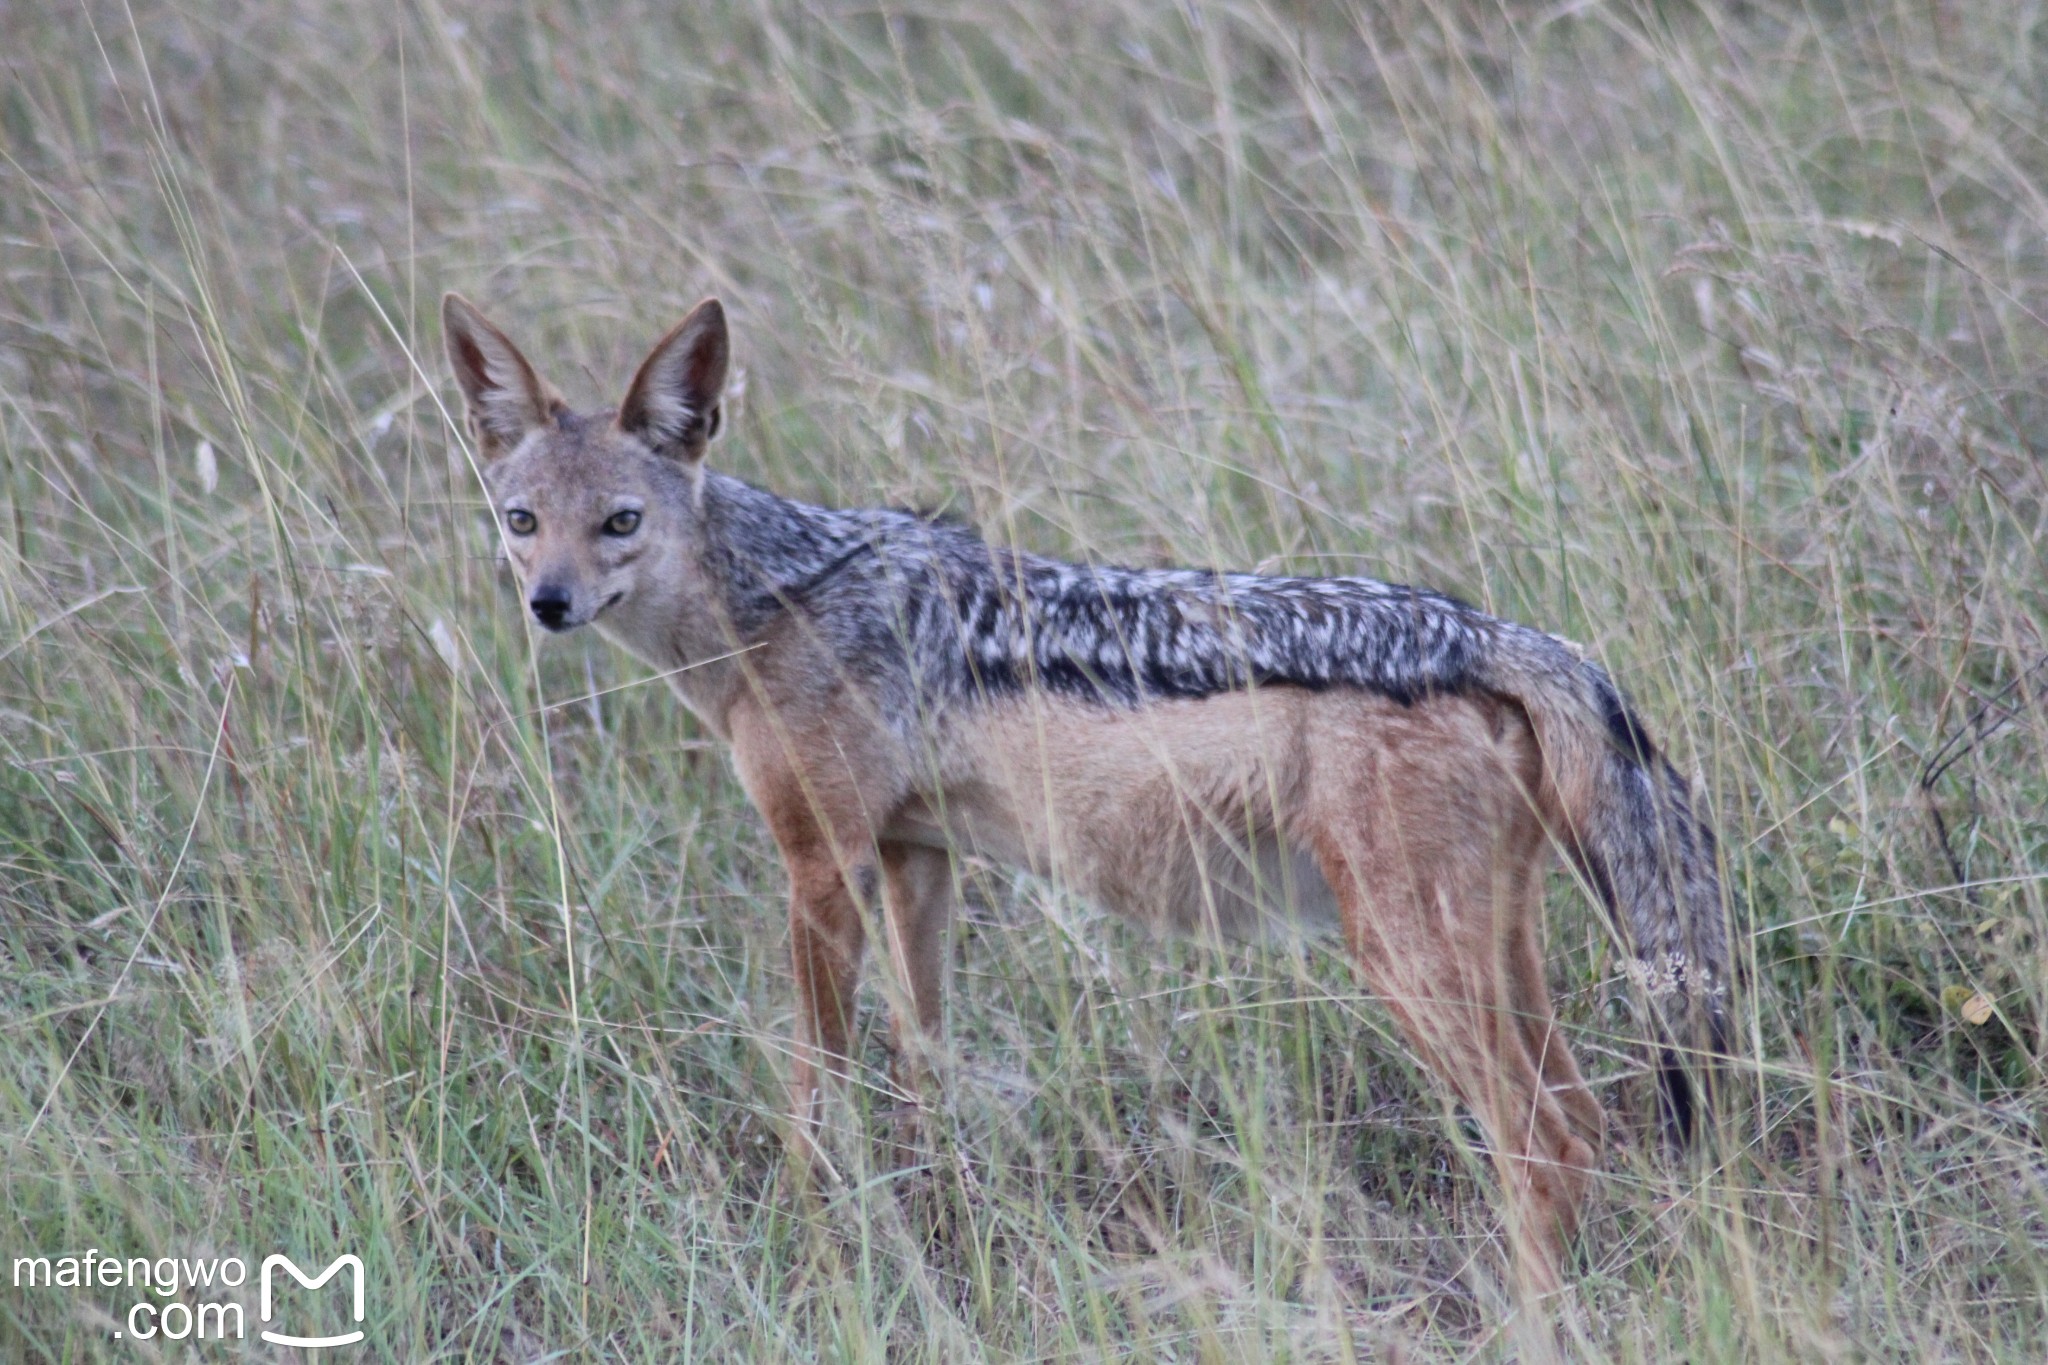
x=982 y=621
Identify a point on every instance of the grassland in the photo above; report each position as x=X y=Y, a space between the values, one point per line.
x=338 y=911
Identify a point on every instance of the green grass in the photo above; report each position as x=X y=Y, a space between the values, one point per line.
x=1713 y=336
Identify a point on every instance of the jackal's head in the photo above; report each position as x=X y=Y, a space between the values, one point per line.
x=597 y=509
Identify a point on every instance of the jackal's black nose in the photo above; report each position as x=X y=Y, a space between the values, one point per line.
x=550 y=605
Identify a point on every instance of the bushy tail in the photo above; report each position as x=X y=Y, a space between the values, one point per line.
x=1626 y=817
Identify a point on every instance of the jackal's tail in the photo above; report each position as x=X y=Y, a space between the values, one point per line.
x=1626 y=818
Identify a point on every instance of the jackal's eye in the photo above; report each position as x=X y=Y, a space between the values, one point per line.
x=520 y=522
x=622 y=523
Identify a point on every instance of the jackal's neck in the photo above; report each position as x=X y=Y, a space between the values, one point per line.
x=764 y=551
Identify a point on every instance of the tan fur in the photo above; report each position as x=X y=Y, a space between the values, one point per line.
x=1421 y=827
x=1419 y=832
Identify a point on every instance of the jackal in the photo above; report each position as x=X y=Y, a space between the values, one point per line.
x=1213 y=752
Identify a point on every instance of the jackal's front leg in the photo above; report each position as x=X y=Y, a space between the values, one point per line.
x=821 y=781
x=917 y=894
x=826 y=935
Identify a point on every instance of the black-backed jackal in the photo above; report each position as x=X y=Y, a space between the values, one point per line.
x=1173 y=743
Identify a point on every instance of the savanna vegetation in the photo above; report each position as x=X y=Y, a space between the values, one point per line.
x=338 y=911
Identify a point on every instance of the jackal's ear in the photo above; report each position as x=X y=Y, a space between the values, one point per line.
x=506 y=398
x=673 y=403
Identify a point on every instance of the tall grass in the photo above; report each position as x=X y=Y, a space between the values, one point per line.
x=337 y=912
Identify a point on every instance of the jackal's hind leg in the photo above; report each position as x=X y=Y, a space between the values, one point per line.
x=1540 y=1031
x=1448 y=994
x=1432 y=868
